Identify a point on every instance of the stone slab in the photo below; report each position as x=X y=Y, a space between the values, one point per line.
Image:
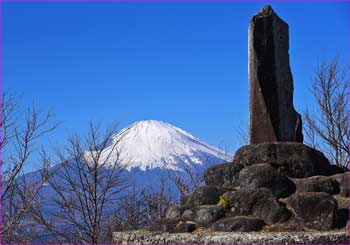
x=146 y=237
x=272 y=114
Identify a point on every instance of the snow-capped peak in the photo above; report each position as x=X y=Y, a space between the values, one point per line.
x=155 y=144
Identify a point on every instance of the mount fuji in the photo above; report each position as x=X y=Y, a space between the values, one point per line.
x=151 y=144
x=149 y=149
x=152 y=149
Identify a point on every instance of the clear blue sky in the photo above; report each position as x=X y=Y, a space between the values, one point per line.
x=182 y=63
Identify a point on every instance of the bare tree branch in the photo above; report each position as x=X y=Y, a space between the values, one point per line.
x=86 y=186
x=19 y=139
x=327 y=127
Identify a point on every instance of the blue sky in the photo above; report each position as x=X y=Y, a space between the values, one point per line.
x=182 y=63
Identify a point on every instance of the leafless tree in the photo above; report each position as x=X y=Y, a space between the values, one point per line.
x=132 y=210
x=141 y=206
x=328 y=127
x=158 y=198
x=21 y=132
x=86 y=184
x=242 y=136
x=189 y=177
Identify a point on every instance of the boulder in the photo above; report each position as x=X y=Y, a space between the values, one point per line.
x=282 y=187
x=225 y=174
x=238 y=223
x=343 y=211
x=259 y=202
x=203 y=215
x=258 y=175
x=264 y=175
x=315 y=210
x=317 y=184
x=173 y=212
x=185 y=227
x=292 y=225
x=172 y=225
x=344 y=182
x=342 y=218
x=343 y=202
x=292 y=159
x=205 y=195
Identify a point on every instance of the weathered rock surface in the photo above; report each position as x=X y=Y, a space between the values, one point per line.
x=173 y=212
x=146 y=237
x=203 y=215
x=185 y=227
x=343 y=202
x=318 y=184
x=238 y=223
x=205 y=195
x=259 y=202
x=258 y=175
x=342 y=218
x=172 y=225
x=343 y=211
x=264 y=175
x=289 y=158
x=315 y=210
x=225 y=174
x=272 y=114
x=291 y=225
x=164 y=225
x=282 y=187
x=344 y=181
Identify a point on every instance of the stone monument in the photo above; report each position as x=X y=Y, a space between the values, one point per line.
x=272 y=114
x=274 y=184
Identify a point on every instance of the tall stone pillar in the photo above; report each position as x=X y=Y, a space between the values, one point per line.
x=272 y=114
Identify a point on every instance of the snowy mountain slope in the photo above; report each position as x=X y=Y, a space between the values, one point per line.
x=154 y=144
